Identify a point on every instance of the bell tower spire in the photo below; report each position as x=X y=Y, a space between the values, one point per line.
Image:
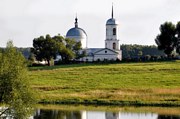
x=112 y=11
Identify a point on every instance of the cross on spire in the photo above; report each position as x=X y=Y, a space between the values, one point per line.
x=76 y=21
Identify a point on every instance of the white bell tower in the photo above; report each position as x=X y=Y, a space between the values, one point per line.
x=112 y=41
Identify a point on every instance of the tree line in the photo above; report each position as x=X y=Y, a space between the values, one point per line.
x=140 y=52
x=129 y=52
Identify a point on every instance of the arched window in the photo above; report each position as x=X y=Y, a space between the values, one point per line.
x=114 y=31
x=114 y=46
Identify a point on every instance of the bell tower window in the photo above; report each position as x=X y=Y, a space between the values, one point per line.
x=114 y=31
x=114 y=46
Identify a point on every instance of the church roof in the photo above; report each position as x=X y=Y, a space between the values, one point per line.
x=106 y=49
x=76 y=31
x=112 y=21
x=91 y=51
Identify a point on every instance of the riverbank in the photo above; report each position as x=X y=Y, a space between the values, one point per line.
x=125 y=84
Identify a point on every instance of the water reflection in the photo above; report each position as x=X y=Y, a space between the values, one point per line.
x=59 y=114
x=168 y=117
x=56 y=114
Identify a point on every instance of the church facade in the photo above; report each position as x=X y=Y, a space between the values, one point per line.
x=111 y=51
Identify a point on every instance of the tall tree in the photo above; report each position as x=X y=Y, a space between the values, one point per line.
x=44 y=48
x=178 y=37
x=15 y=92
x=166 y=39
x=49 y=47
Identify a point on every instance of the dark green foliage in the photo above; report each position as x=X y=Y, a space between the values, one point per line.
x=178 y=29
x=45 y=48
x=69 y=48
x=65 y=49
x=137 y=51
x=76 y=49
x=167 y=39
x=1 y=50
x=178 y=37
x=15 y=92
x=24 y=51
x=48 y=48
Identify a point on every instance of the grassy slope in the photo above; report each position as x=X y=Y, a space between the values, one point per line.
x=126 y=83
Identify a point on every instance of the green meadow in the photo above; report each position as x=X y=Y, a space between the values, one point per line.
x=139 y=84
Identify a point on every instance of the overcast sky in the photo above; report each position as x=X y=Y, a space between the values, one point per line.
x=24 y=20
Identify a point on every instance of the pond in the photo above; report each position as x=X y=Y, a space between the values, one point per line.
x=70 y=112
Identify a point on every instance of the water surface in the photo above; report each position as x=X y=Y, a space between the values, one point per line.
x=94 y=114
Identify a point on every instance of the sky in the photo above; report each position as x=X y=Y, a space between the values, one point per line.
x=139 y=20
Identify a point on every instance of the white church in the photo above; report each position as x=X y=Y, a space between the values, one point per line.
x=111 y=51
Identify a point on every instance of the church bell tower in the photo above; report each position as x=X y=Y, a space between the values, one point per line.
x=112 y=41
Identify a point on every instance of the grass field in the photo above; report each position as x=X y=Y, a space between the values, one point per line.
x=148 y=84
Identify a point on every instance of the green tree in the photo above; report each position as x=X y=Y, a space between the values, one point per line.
x=77 y=47
x=45 y=48
x=15 y=92
x=1 y=49
x=48 y=48
x=72 y=49
x=65 y=48
x=166 y=39
x=66 y=55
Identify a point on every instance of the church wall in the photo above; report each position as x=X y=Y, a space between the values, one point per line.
x=105 y=57
x=120 y=55
x=101 y=57
x=109 y=44
x=83 y=42
x=78 y=39
x=109 y=32
x=105 y=52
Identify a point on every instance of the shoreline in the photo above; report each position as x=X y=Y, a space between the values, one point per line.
x=97 y=102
